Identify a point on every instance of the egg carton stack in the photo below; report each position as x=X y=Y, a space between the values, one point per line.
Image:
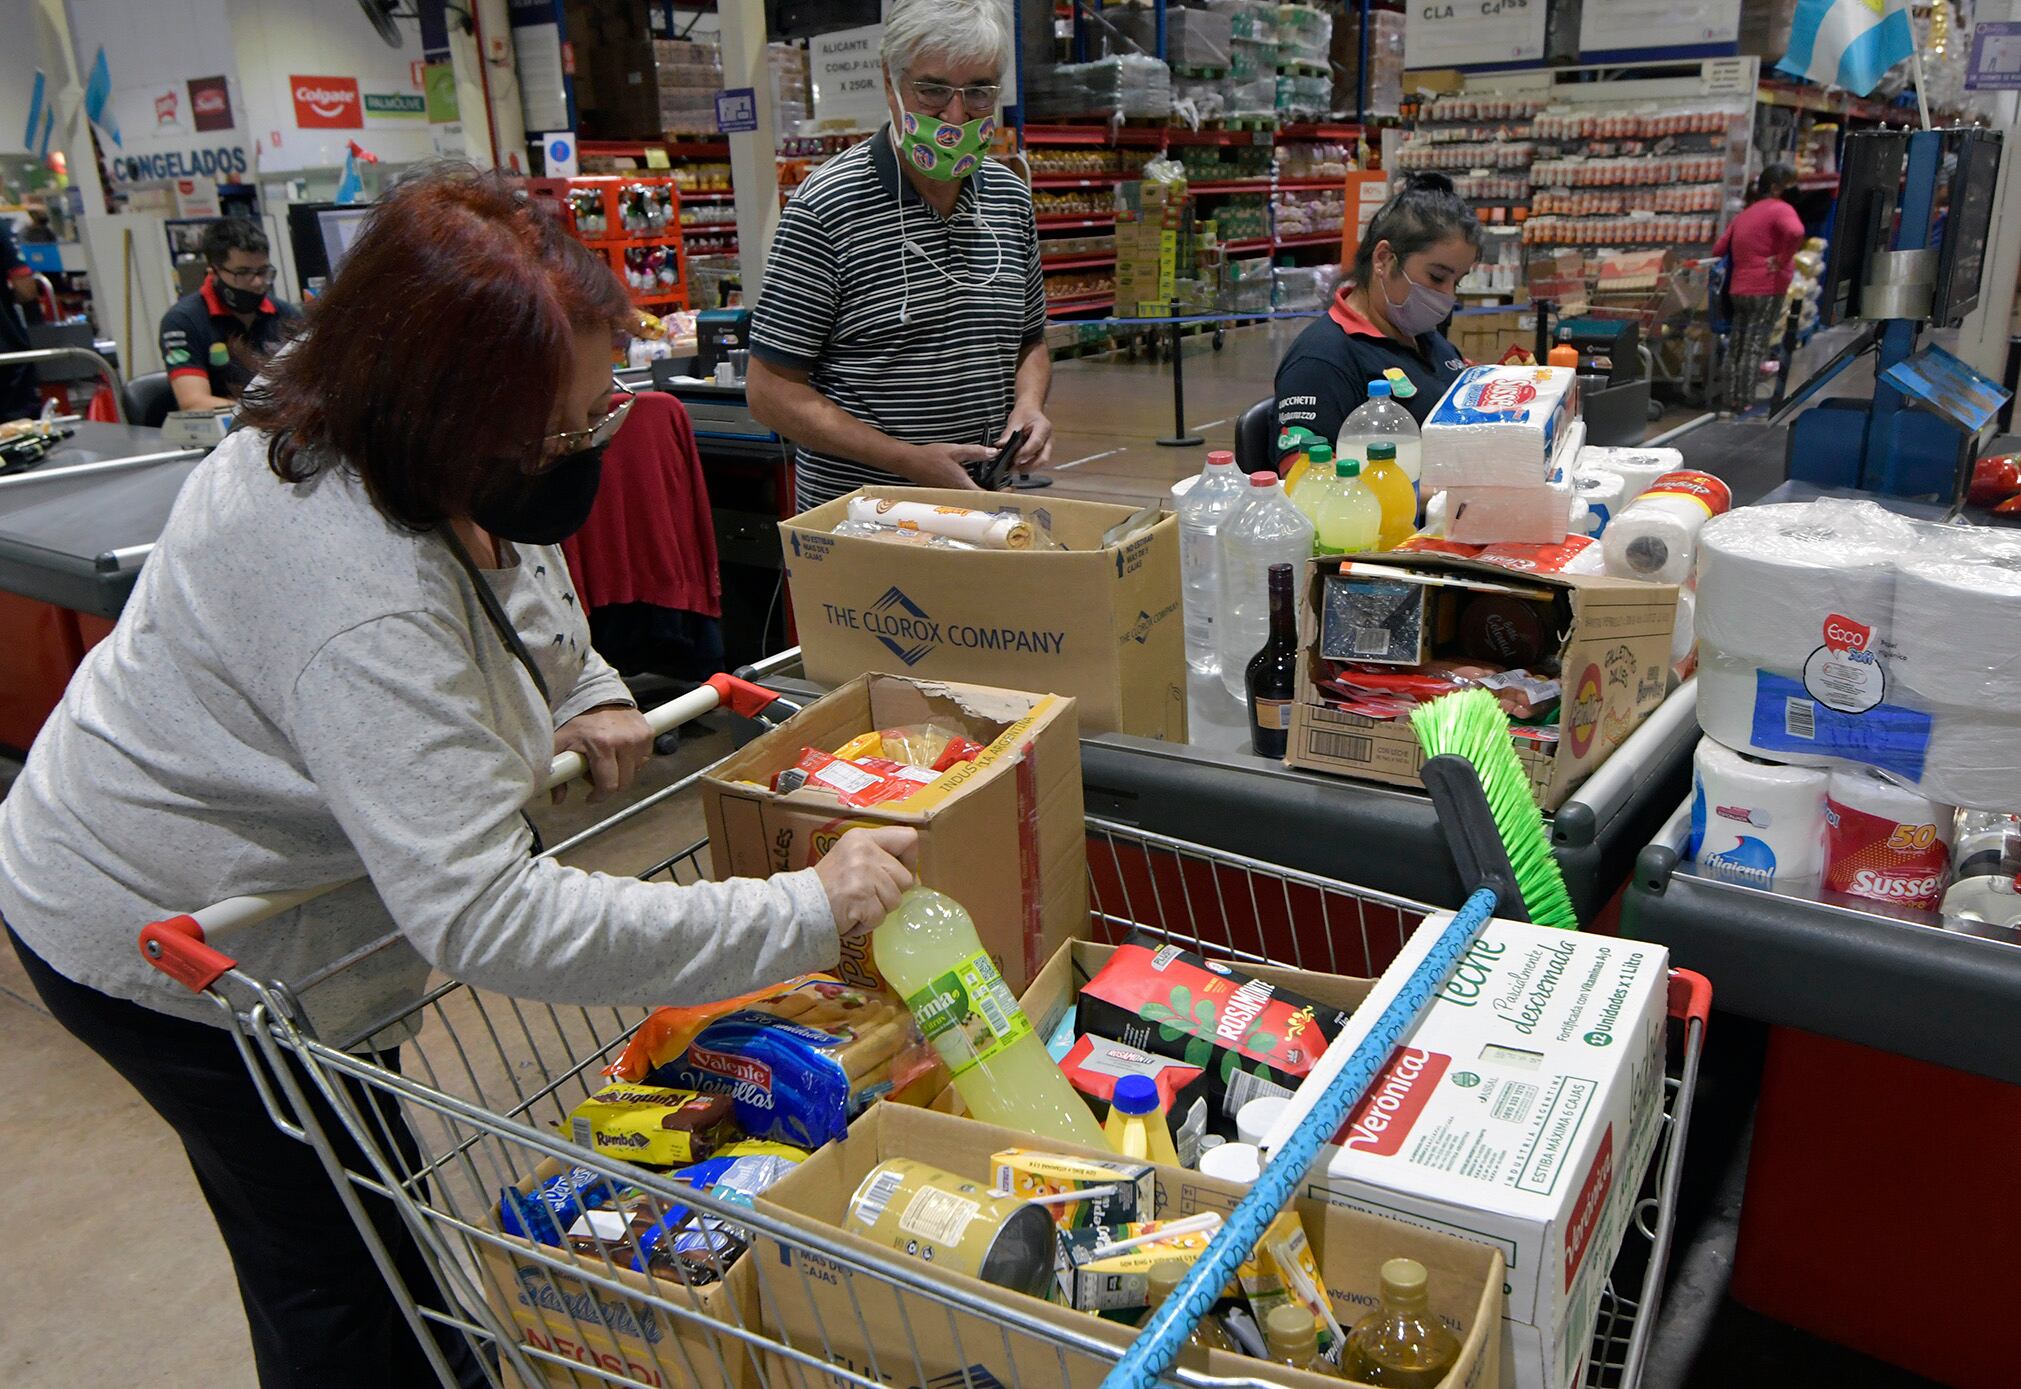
x=1498 y=453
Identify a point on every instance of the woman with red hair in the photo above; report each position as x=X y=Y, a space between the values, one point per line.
x=352 y=654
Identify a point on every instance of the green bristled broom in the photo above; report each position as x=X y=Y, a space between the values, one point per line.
x=1469 y=727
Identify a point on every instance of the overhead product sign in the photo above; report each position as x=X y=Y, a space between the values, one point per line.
x=737 y=111
x=1472 y=33
x=1634 y=24
x=1995 y=63
x=327 y=103
x=210 y=103
x=848 y=76
x=395 y=106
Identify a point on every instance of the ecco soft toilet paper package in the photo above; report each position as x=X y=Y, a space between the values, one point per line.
x=1834 y=632
x=1754 y=822
x=1497 y=426
x=1637 y=468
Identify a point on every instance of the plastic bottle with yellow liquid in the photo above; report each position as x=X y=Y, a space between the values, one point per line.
x=1292 y=445
x=1160 y=1283
x=1137 y=1127
x=1291 y=1336
x=1350 y=518
x=1393 y=493
x=1401 y=1344
x=928 y=952
x=1315 y=482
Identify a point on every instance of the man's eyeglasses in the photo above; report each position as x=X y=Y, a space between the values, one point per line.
x=979 y=98
x=258 y=275
x=555 y=447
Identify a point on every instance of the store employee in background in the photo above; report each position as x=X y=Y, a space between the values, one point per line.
x=1388 y=312
x=213 y=341
x=900 y=337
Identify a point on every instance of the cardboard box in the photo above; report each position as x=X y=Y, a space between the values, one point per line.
x=1521 y=1110
x=1003 y=835
x=816 y=1305
x=1614 y=654
x=552 y=1310
x=1100 y=624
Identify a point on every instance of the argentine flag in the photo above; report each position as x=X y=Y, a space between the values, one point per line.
x=1847 y=43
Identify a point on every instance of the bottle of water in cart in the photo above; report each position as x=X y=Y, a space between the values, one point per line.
x=1267 y=530
x=1217 y=495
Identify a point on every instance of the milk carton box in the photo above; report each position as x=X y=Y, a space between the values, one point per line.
x=1520 y=1111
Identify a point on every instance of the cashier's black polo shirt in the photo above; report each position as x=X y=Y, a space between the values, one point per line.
x=201 y=337
x=909 y=321
x=1326 y=372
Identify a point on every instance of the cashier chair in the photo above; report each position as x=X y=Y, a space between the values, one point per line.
x=1255 y=437
x=149 y=399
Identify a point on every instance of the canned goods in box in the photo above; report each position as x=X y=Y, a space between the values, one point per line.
x=951 y=1222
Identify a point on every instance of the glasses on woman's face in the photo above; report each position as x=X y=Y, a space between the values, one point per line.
x=250 y=278
x=978 y=98
x=555 y=447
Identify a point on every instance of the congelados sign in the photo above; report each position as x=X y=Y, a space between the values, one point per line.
x=224 y=163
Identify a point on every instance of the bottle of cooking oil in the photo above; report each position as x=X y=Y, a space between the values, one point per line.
x=927 y=950
x=1400 y=1345
x=1291 y=1336
x=1160 y=1281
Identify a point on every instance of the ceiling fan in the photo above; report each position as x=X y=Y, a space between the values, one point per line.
x=383 y=13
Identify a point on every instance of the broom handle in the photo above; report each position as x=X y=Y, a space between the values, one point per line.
x=1334 y=1090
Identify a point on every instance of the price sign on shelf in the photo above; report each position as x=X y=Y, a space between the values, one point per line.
x=848 y=75
x=1464 y=33
x=1627 y=24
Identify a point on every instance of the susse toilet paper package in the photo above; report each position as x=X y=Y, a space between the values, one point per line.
x=1836 y=633
x=1497 y=426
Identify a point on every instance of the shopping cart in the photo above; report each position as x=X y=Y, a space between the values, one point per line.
x=422 y=1143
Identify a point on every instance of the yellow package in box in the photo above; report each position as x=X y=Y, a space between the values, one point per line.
x=1283 y=1270
x=653 y=1124
x=1032 y=1176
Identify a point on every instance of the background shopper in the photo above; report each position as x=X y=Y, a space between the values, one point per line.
x=1761 y=241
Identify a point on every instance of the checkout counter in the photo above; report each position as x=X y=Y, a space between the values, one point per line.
x=73 y=532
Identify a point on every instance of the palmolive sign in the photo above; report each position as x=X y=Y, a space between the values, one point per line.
x=327 y=103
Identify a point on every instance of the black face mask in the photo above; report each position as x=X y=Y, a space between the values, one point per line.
x=236 y=299
x=546 y=508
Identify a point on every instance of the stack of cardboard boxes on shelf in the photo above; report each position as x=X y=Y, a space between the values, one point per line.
x=1153 y=221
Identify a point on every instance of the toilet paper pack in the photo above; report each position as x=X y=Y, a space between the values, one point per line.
x=1497 y=426
x=1754 y=822
x=1637 y=468
x=1884 y=843
x=1834 y=632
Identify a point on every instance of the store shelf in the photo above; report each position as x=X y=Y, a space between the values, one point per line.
x=1076 y=262
x=1049 y=220
x=705 y=195
x=636 y=149
x=1319 y=130
x=1235 y=185
x=671 y=297
x=1814 y=182
x=1254 y=243
x=626 y=243
x=1076 y=180
x=1259 y=136
x=1286 y=243
x=1081 y=305
x=1312 y=185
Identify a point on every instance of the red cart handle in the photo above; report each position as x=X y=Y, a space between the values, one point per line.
x=176 y=948
x=742 y=696
x=1690 y=997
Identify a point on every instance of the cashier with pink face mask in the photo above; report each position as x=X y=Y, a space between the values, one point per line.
x=1389 y=313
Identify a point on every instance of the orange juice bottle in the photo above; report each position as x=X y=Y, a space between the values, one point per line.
x=1393 y=492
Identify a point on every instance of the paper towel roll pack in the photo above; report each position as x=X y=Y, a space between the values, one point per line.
x=1834 y=632
x=1604 y=494
x=1497 y=426
x=1754 y=822
x=1521 y=515
x=1636 y=467
x=1655 y=537
x=1884 y=843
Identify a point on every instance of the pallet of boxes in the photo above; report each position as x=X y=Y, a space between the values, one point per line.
x=1153 y=228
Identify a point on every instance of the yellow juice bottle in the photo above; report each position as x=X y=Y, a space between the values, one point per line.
x=1393 y=492
x=928 y=952
x=1137 y=1127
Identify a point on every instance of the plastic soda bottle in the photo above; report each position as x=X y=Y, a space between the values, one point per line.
x=1400 y=1345
x=928 y=952
x=1380 y=417
x=1292 y=460
x=1137 y=1127
x=1267 y=530
x=1316 y=482
x=1202 y=513
x=1350 y=518
x=1393 y=492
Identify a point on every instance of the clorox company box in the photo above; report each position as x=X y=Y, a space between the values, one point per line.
x=1521 y=1111
x=1099 y=621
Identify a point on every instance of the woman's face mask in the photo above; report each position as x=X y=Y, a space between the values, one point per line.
x=1422 y=307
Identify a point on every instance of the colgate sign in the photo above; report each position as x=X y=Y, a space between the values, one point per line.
x=1383 y=1119
x=327 y=103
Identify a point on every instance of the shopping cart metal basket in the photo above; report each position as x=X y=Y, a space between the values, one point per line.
x=423 y=1143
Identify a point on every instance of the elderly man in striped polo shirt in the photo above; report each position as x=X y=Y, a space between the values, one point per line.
x=900 y=337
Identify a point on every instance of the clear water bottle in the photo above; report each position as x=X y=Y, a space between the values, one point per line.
x=1202 y=512
x=1267 y=530
x=1380 y=417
